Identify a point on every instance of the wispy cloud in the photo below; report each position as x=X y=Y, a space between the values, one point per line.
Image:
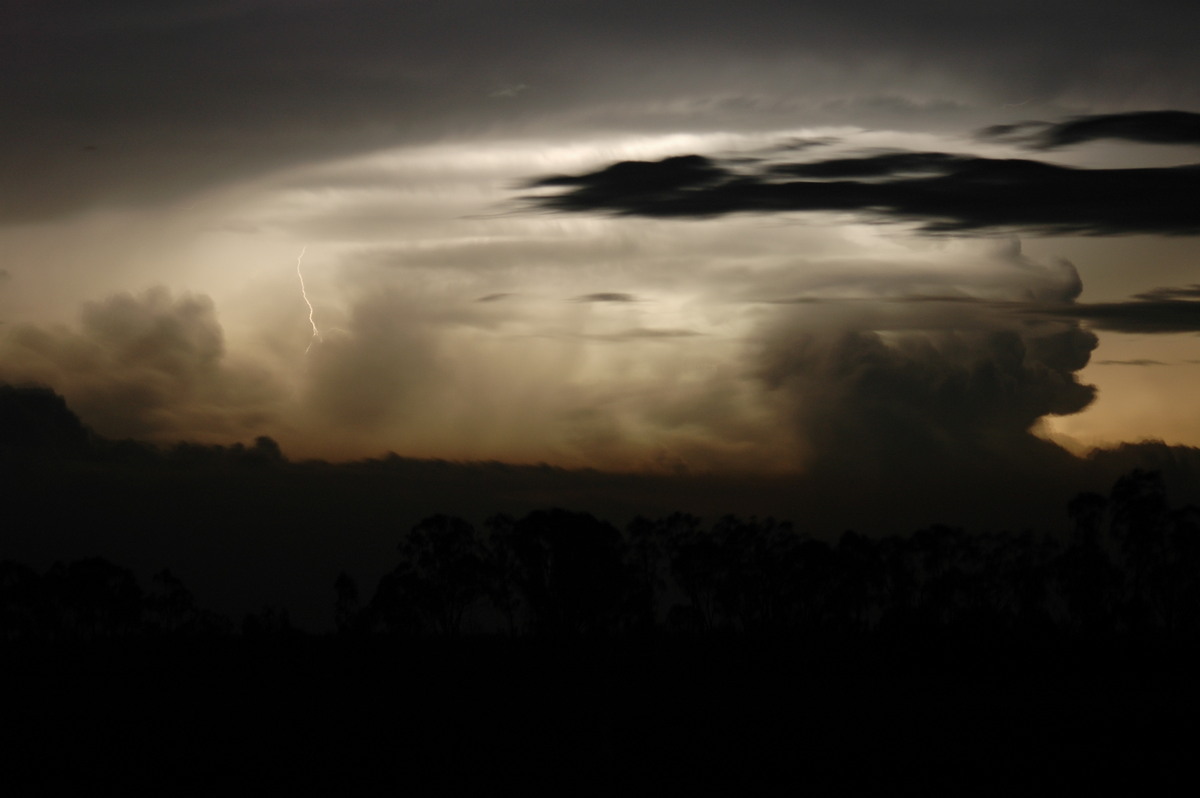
x=646 y=334
x=606 y=296
x=1168 y=293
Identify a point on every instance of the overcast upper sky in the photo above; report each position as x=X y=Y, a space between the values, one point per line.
x=713 y=237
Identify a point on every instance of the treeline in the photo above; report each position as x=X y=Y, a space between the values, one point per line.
x=1130 y=566
x=92 y=599
x=95 y=599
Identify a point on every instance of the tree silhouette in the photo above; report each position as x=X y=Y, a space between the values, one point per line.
x=1139 y=523
x=95 y=598
x=501 y=569
x=646 y=548
x=346 y=610
x=21 y=597
x=445 y=570
x=394 y=606
x=569 y=569
x=269 y=623
x=815 y=577
x=859 y=591
x=36 y=421
x=768 y=577
x=1088 y=579
x=171 y=607
x=695 y=567
x=1182 y=578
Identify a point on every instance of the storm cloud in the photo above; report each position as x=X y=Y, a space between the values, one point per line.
x=957 y=394
x=940 y=192
x=1147 y=127
x=150 y=365
x=1161 y=310
x=201 y=146
x=606 y=296
x=131 y=105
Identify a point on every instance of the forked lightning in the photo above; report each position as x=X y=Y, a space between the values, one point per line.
x=316 y=334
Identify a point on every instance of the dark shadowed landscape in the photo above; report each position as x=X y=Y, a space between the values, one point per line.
x=551 y=648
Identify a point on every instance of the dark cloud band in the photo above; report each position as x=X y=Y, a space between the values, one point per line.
x=606 y=296
x=943 y=193
x=1135 y=316
x=1146 y=127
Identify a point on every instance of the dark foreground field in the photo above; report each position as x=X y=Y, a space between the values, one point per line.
x=327 y=715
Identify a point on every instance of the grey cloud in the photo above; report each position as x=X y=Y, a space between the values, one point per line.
x=882 y=165
x=1167 y=293
x=508 y=91
x=1161 y=310
x=961 y=398
x=895 y=104
x=1133 y=316
x=375 y=370
x=606 y=296
x=151 y=366
x=647 y=334
x=942 y=192
x=175 y=96
x=502 y=256
x=908 y=299
x=650 y=178
x=984 y=271
x=956 y=376
x=797 y=144
x=1148 y=127
x=924 y=382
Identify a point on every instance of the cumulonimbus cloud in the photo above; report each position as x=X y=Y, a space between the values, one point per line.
x=946 y=376
x=151 y=365
x=967 y=393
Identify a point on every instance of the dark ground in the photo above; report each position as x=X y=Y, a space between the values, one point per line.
x=334 y=716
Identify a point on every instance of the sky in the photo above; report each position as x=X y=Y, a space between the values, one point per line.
x=762 y=238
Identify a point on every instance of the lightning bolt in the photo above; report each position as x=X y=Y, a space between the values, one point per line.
x=316 y=334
